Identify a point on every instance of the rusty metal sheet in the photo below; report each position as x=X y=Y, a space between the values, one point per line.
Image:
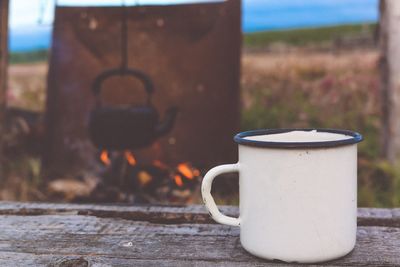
x=192 y=54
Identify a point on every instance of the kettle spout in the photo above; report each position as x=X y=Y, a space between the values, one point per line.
x=165 y=126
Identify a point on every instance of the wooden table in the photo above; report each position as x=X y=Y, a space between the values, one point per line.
x=94 y=235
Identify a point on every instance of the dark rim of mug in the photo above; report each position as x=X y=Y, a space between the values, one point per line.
x=240 y=138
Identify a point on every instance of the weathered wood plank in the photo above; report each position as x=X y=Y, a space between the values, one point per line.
x=42 y=234
x=184 y=244
x=171 y=214
x=17 y=259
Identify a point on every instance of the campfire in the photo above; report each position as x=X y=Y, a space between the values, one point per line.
x=130 y=181
x=125 y=180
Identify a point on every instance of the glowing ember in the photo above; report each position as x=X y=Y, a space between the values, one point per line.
x=196 y=172
x=130 y=158
x=105 y=158
x=144 y=178
x=178 y=180
x=187 y=171
x=160 y=164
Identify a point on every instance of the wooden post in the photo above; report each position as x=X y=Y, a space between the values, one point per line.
x=389 y=41
x=3 y=68
x=3 y=50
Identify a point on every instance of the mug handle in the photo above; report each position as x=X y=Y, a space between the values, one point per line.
x=208 y=199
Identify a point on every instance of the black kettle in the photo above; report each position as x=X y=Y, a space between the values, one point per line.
x=127 y=128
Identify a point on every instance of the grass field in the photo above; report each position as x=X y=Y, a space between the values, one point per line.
x=296 y=37
x=327 y=90
x=307 y=82
x=28 y=57
x=310 y=36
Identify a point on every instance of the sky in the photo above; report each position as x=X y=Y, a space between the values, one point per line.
x=28 y=12
x=26 y=33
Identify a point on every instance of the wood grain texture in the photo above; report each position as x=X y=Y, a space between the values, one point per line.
x=90 y=235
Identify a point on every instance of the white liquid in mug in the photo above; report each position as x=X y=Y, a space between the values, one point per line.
x=300 y=136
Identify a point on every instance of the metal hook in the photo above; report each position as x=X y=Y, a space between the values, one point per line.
x=43 y=5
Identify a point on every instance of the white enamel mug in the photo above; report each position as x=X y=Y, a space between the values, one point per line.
x=298 y=193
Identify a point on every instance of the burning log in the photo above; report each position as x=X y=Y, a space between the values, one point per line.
x=130 y=158
x=71 y=189
x=126 y=180
x=105 y=158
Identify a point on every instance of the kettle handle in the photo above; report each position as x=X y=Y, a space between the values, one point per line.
x=146 y=81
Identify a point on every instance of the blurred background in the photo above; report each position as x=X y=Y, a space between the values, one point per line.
x=224 y=66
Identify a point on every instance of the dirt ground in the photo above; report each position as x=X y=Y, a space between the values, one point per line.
x=27 y=85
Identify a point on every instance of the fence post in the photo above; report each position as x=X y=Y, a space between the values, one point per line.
x=3 y=69
x=389 y=43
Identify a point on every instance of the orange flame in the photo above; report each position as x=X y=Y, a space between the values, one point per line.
x=130 y=158
x=196 y=172
x=188 y=171
x=144 y=178
x=160 y=164
x=178 y=180
x=105 y=158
